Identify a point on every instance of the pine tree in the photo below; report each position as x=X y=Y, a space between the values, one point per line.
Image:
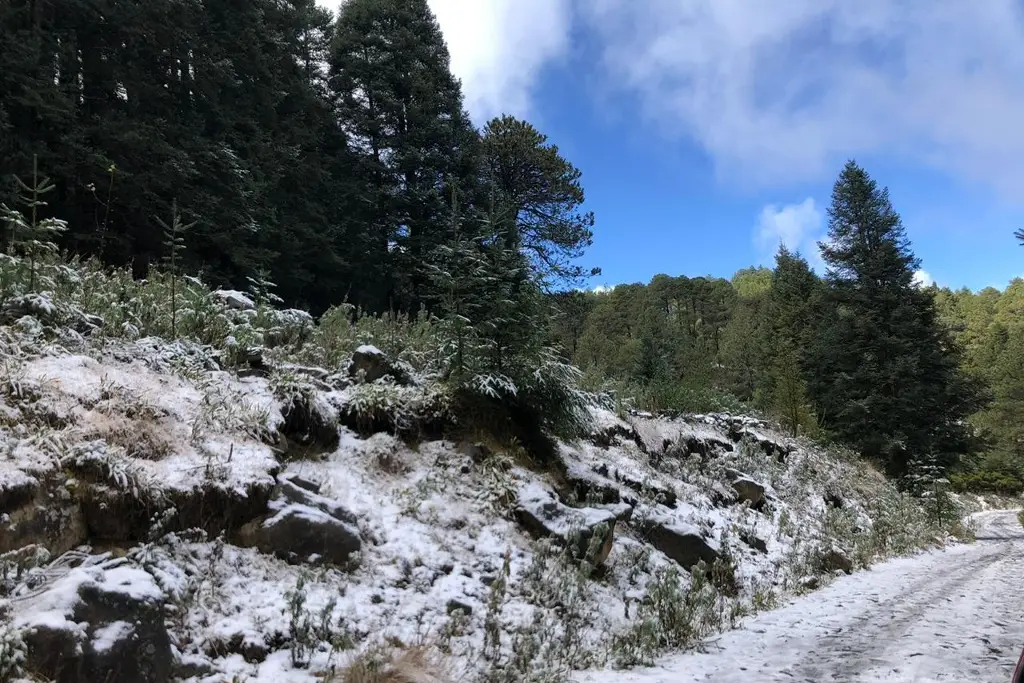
x=174 y=243
x=542 y=193
x=886 y=373
x=31 y=233
x=402 y=110
x=790 y=393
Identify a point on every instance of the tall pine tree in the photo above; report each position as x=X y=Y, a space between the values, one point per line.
x=401 y=108
x=887 y=376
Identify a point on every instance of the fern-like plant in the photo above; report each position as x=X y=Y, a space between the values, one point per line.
x=31 y=234
x=174 y=242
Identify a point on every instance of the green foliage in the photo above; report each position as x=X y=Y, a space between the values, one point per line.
x=885 y=374
x=541 y=192
x=32 y=235
x=671 y=616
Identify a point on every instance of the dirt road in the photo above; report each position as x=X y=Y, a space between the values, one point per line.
x=949 y=615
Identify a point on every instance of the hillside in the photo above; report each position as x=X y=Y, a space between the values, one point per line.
x=252 y=507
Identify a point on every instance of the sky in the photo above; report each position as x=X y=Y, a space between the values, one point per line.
x=710 y=131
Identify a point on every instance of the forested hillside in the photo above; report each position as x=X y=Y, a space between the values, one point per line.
x=915 y=378
x=330 y=160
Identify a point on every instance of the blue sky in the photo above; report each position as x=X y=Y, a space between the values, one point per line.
x=709 y=130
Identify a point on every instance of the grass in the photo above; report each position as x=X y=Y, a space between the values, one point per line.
x=383 y=664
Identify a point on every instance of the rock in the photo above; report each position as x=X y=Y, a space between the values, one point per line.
x=304 y=526
x=192 y=666
x=234 y=299
x=680 y=541
x=98 y=623
x=300 y=481
x=754 y=542
x=836 y=560
x=310 y=422
x=291 y=490
x=372 y=364
x=810 y=583
x=833 y=498
x=721 y=495
x=622 y=511
x=660 y=493
x=540 y=512
x=47 y=515
x=614 y=433
x=749 y=491
x=458 y=606
x=299 y=533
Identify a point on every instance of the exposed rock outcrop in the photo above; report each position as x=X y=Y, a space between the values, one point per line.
x=540 y=512
x=99 y=623
x=304 y=526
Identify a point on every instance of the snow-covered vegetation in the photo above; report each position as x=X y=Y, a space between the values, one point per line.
x=257 y=496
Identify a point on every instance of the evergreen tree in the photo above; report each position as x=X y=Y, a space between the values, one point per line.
x=401 y=108
x=886 y=373
x=542 y=193
x=790 y=393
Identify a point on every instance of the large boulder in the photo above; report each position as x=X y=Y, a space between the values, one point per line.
x=681 y=542
x=309 y=422
x=835 y=560
x=540 y=512
x=304 y=526
x=99 y=623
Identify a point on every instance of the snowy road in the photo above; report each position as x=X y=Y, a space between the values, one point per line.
x=950 y=615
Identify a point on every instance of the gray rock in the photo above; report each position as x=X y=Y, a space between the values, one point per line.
x=749 y=491
x=681 y=542
x=540 y=512
x=835 y=559
x=300 y=481
x=458 y=606
x=112 y=629
x=372 y=364
x=292 y=491
x=754 y=542
x=622 y=511
x=233 y=299
x=309 y=422
x=300 y=533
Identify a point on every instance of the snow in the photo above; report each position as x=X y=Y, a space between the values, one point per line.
x=107 y=636
x=436 y=527
x=369 y=350
x=922 y=619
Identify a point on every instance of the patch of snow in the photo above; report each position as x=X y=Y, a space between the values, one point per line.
x=110 y=635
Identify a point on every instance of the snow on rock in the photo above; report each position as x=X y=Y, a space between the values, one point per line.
x=372 y=364
x=680 y=541
x=540 y=512
x=103 y=622
x=234 y=299
x=304 y=527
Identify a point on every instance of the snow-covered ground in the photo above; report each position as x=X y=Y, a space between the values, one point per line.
x=955 y=614
x=433 y=541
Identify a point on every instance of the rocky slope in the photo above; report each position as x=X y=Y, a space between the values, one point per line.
x=167 y=520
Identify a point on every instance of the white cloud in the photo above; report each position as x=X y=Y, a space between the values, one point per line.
x=797 y=226
x=499 y=47
x=922 y=278
x=779 y=92
x=603 y=289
